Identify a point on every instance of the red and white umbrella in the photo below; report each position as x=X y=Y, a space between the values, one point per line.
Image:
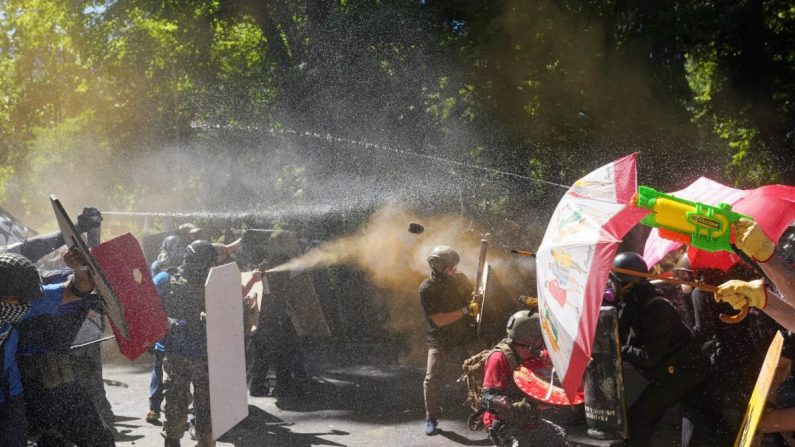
x=772 y=206
x=574 y=260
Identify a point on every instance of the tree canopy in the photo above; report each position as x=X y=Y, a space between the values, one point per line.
x=141 y=104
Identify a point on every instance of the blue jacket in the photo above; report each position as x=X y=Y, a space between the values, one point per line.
x=48 y=304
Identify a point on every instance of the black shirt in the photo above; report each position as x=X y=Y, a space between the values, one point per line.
x=443 y=295
x=653 y=335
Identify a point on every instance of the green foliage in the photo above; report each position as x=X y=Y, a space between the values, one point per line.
x=547 y=89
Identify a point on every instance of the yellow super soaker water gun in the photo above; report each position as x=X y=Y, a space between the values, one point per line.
x=702 y=226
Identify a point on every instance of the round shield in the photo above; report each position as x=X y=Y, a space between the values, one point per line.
x=533 y=378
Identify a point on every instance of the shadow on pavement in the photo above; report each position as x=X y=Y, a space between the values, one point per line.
x=262 y=428
x=388 y=394
x=124 y=436
x=458 y=439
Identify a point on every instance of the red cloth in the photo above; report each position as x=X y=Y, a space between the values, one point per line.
x=497 y=374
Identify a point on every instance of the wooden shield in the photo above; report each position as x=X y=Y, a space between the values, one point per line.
x=123 y=265
x=756 y=404
x=294 y=288
x=113 y=306
x=226 y=356
x=298 y=294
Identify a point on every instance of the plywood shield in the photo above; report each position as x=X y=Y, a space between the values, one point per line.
x=113 y=307
x=225 y=352
x=124 y=267
x=298 y=294
x=294 y=288
x=745 y=437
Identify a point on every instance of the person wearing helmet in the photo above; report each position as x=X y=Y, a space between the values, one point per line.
x=185 y=346
x=509 y=417
x=172 y=253
x=657 y=343
x=446 y=299
x=22 y=297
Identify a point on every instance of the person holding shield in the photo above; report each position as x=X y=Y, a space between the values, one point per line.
x=657 y=343
x=447 y=301
x=776 y=260
x=509 y=418
x=22 y=297
x=185 y=361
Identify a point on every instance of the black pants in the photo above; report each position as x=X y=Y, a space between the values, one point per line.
x=276 y=345
x=650 y=407
x=13 y=424
x=62 y=412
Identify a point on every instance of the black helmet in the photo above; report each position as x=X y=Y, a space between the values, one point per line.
x=442 y=257
x=199 y=257
x=172 y=252
x=629 y=260
x=19 y=277
x=524 y=327
x=170 y=244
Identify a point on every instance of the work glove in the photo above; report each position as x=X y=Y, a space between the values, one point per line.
x=88 y=219
x=522 y=410
x=750 y=238
x=740 y=293
x=474 y=309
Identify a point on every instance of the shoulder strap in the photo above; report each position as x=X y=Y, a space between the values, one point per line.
x=505 y=347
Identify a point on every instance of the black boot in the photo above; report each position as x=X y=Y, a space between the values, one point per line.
x=171 y=442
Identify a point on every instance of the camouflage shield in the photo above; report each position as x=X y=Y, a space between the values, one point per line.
x=293 y=289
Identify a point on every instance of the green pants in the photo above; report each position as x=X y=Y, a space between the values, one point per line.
x=180 y=373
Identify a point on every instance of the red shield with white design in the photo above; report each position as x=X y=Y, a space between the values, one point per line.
x=123 y=264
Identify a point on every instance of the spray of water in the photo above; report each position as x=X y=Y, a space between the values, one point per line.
x=394 y=261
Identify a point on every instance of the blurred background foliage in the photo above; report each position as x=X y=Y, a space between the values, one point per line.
x=113 y=97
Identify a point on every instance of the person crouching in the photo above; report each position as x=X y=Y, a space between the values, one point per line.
x=510 y=418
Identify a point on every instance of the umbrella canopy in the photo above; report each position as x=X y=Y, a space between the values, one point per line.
x=574 y=259
x=772 y=206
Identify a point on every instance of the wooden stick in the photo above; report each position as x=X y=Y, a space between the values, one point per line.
x=695 y=284
x=523 y=253
x=731 y=319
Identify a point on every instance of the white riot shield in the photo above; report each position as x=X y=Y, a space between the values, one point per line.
x=225 y=350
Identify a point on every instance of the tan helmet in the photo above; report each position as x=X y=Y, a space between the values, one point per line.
x=442 y=257
x=524 y=327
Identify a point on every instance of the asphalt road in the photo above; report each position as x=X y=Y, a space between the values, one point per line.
x=355 y=399
x=361 y=396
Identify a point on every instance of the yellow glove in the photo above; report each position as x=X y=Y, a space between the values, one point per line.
x=474 y=309
x=740 y=293
x=750 y=238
